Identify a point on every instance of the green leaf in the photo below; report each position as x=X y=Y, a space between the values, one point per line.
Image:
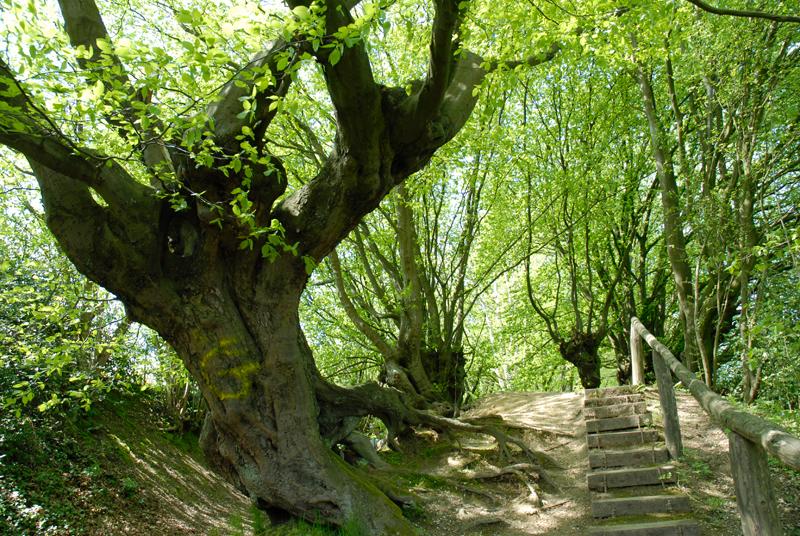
x=104 y=46
x=310 y=264
x=335 y=56
x=184 y=17
x=302 y=13
x=283 y=62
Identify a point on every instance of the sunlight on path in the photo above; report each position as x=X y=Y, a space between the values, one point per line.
x=551 y=423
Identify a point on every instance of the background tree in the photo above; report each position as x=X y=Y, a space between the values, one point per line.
x=411 y=274
x=714 y=165
x=584 y=170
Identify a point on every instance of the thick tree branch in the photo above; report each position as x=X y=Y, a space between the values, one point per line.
x=744 y=13
x=26 y=128
x=352 y=88
x=356 y=176
x=122 y=254
x=416 y=138
x=85 y=28
x=226 y=112
x=441 y=59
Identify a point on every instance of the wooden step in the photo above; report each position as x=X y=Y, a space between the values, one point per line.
x=621 y=439
x=610 y=391
x=618 y=423
x=617 y=458
x=679 y=527
x=634 y=506
x=617 y=410
x=612 y=400
x=632 y=476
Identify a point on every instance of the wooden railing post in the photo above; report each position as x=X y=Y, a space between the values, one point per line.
x=669 y=407
x=751 y=439
x=754 y=495
x=637 y=359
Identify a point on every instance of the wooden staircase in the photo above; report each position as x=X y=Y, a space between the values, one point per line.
x=629 y=471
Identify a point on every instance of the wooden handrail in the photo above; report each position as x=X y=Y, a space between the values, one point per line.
x=750 y=437
x=773 y=439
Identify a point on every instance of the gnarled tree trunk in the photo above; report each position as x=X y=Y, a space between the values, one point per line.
x=581 y=351
x=221 y=277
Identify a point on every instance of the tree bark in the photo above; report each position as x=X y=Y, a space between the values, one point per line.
x=673 y=230
x=581 y=350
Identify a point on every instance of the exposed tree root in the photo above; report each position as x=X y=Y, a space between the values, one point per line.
x=525 y=472
x=362 y=446
x=555 y=505
x=495 y=472
x=397 y=494
x=539 y=458
x=450 y=482
x=398 y=413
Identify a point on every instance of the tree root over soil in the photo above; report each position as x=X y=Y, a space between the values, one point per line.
x=340 y=409
x=518 y=470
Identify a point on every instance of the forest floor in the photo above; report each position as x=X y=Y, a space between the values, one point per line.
x=553 y=423
x=132 y=477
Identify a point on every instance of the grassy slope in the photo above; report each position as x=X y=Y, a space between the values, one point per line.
x=113 y=471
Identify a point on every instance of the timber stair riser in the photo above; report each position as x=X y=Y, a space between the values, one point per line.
x=665 y=528
x=612 y=401
x=621 y=439
x=617 y=410
x=594 y=426
x=636 y=506
x=626 y=478
x=604 y=458
x=607 y=392
x=615 y=419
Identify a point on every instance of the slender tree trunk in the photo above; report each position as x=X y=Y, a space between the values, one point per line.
x=673 y=225
x=747 y=241
x=410 y=339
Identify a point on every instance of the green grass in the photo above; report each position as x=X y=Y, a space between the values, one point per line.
x=59 y=473
x=51 y=475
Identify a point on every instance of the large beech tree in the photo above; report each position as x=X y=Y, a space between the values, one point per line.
x=187 y=218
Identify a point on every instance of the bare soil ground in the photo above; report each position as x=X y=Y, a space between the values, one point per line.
x=550 y=423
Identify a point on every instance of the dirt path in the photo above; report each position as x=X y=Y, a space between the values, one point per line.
x=553 y=423
x=550 y=423
x=705 y=473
